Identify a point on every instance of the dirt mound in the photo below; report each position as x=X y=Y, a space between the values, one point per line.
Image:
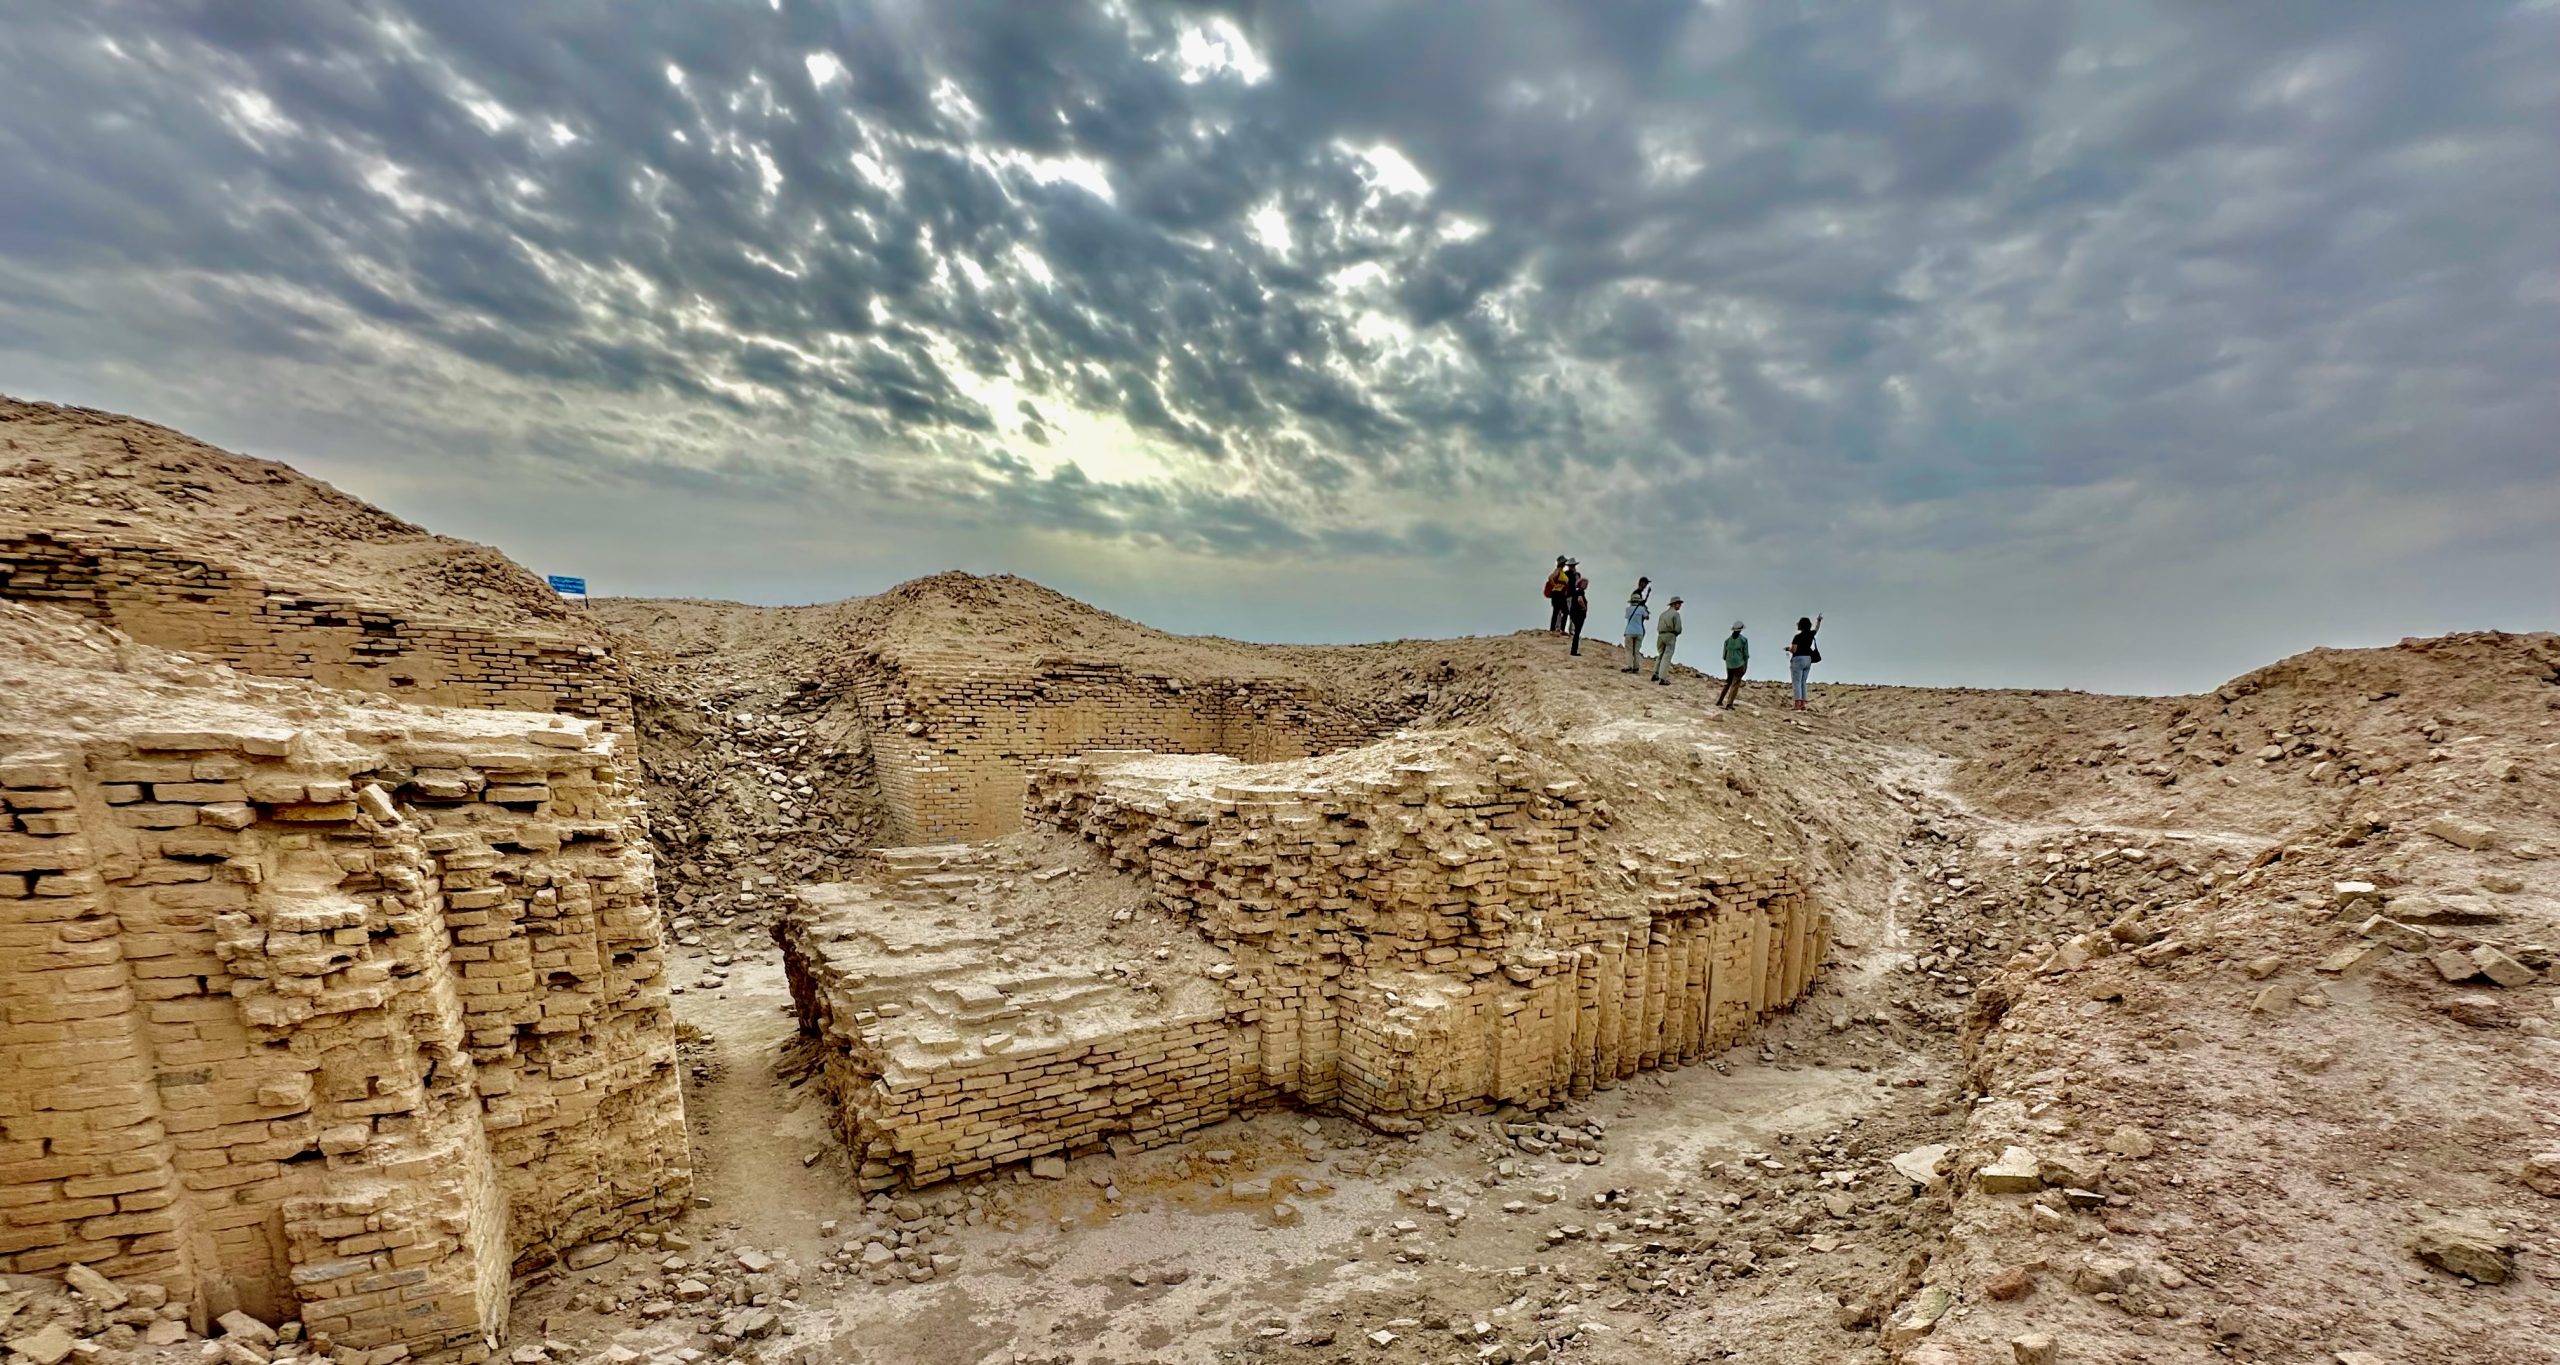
x=76 y=469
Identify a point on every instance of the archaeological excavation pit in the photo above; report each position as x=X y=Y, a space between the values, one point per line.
x=1180 y=939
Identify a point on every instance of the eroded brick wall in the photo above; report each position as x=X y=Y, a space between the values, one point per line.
x=346 y=1025
x=1423 y=941
x=173 y=600
x=954 y=736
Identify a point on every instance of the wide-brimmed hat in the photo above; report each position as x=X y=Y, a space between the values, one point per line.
x=1737 y=625
x=1677 y=601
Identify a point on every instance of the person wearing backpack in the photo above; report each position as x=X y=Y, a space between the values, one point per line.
x=1557 y=582
x=1803 y=654
x=1737 y=657
x=1666 y=638
x=1638 y=612
x=1577 y=603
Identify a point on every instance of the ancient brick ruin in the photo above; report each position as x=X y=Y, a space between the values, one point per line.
x=174 y=599
x=954 y=735
x=339 y=1024
x=1381 y=943
x=344 y=1020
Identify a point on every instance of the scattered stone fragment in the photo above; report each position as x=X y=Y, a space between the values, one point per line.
x=2035 y=1348
x=2009 y=1282
x=2455 y=965
x=2406 y=937
x=2102 y=1274
x=46 y=1346
x=243 y=1327
x=2352 y=894
x=2462 y=833
x=2129 y=1140
x=1923 y=1166
x=2066 y=1171
x=2468 y=1247
x=1049 y=1168
x=2542 y=1173
x=1918 y=1317
x=2354 y=957
x=2501 y=969
x=96 y=1288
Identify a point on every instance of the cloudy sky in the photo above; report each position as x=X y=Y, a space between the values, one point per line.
x=2120 y=345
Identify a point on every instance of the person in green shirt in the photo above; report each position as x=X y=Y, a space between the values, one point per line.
x=1737 y=657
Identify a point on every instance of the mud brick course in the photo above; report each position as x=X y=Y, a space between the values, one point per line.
x=345 y=1024
x=955 y=735
x=171 y=599
x=1385 y=945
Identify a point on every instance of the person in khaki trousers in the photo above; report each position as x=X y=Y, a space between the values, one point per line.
x=1666 y=638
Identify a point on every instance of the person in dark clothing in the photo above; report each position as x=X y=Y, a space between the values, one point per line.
x=1577 y=607
x=1557 y=582
x=1801 y=655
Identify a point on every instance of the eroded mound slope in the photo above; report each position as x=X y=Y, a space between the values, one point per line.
x=114 y=478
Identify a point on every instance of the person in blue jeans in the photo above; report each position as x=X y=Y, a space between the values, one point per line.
x=1639 y=610
x=1802 y=655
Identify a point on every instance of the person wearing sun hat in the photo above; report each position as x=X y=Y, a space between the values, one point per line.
x=1666 y=638
x=1557 y=582
x=1737 y=657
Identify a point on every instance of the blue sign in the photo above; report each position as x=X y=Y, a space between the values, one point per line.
x=568 y=587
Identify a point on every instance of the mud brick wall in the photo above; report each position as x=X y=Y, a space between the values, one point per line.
x=1423 y=941
x=346 y=1025
x=914 y=1121
x=1430 y=940
x=954 y=736
x=163 y=597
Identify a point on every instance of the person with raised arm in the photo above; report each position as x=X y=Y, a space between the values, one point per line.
x=1639 y=610
x=1803 y=654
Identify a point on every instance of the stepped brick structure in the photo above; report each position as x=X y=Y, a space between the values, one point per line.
x=339 y=1022
x=1386 y=944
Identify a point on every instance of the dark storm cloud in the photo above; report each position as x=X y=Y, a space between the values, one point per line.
x=1934 y=271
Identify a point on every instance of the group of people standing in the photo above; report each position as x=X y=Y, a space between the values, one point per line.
x=1568 y=595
